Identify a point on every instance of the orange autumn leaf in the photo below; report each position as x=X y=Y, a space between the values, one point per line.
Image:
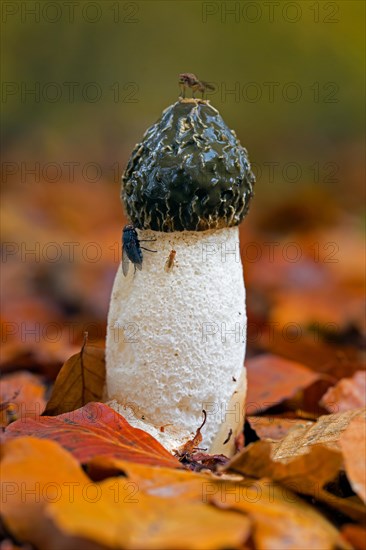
x=305 y=460
x=72 y=512
x=272 y=379
x=356 y=535
x=348 y=394
x=22 y=395
x=306 y=473
x=134 y=520
x=353 y=445
x=264 y=502
x=281 y=519
x=35 y=472
x=275 y=428
x=327 y=431
x=95 y=430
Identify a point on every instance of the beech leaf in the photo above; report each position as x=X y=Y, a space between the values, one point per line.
x=95 y=430
x=281 y=519
x=327 y=430
x=306 y=473
x=348 y=394
x=283 y=379
x=306 y=460
x=69 y=511
x=353 y=445
x=22 y=394
x=80 y=380
x=274 y=428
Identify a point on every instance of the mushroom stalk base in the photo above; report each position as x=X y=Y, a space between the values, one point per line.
x=176 y=340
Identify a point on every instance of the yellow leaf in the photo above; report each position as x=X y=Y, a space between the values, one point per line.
x=281 y=519
x=66 y=506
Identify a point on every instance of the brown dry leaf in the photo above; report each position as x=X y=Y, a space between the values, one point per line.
x=115 y=513
x=306 y=473
x=281 y=520
x=22 y=395
x=352 y=507
x=310 y=461
x=80 y=380
x=327 y=430
x=283 y=379
x=353 y=445
x=275 y=428
x=348 y=394
x=356 y=535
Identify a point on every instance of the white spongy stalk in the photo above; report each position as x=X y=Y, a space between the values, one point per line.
x=176 y=339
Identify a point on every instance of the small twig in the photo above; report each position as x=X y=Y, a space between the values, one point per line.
x=228 y=437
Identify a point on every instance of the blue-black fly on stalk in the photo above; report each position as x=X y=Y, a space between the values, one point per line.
x=131 y=249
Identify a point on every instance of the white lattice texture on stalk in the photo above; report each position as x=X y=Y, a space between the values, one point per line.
x=176 y=340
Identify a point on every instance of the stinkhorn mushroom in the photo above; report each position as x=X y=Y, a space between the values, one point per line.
x=177 y=328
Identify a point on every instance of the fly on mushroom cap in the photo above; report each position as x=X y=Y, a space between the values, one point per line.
x=190 y=173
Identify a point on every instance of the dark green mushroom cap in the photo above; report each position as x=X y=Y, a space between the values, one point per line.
x=188 y=173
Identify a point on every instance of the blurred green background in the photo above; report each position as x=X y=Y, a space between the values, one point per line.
x=296 y=68
x=82 y=81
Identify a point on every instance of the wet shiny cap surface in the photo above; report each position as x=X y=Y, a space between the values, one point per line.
x=188 y=173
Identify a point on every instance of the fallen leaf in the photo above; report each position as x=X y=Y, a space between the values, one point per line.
x=327 y=430
x=162 y=481
x=310 y=397
x=353 y=445
x=22 y=395
x=306 y=470
x=351 y=507
x=33 y=473
x=80 y=380
x=274 y=428
x=348 y=394
x=270 y=506
x=94 y=430
x=356 y=535
x=272 y=379
x=116 y=513
x=305 y=473
x=133 y=520
x=281 y=519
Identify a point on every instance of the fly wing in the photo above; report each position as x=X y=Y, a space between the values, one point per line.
x=208 y=86
x=135 y=255
x=125 y=261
